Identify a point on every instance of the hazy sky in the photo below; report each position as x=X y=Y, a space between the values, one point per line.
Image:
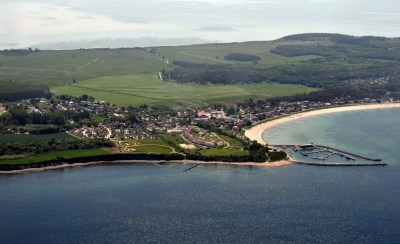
x=30 y=22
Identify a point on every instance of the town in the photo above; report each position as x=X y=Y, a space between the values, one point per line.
x=84 y=117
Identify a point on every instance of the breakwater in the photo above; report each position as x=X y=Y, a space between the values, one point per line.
x=191 y=168
x=349 y=153
x=344 y=164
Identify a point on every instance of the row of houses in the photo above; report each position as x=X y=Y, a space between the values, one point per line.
x=196 y=140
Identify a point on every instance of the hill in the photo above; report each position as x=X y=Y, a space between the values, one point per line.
x=322 y=61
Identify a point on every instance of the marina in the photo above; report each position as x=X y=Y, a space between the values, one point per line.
x=319 y=155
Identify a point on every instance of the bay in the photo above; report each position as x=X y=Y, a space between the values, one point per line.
x=224 y=204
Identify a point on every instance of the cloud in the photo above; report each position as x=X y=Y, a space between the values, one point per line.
x=28 y=19
x=37 y=21
x=86 y=17
x=217 y=28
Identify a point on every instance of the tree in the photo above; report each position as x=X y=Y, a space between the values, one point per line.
x=133 y=118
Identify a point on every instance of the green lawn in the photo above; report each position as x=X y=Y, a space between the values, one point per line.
x=148 y=89
x=54 y=155
x=7 y=138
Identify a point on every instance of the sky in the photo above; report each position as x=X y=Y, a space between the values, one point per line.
x=58 y=24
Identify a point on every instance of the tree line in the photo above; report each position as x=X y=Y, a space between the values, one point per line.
x=312 y=74
x=18 y=115
x=18 y=52
x=13 y=91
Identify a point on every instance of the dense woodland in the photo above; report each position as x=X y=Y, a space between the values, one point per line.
x=18 y=115
x=242 y=57
x=13 y=91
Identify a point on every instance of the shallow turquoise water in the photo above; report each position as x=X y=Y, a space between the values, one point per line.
x=217 y=204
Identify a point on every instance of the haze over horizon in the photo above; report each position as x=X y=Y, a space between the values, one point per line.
x=55 y=24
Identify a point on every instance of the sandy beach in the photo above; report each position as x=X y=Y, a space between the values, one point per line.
x=155 y=162
x=265 y=164
x=255 y=133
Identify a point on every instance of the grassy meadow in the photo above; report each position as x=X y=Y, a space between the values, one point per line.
x=139 y=89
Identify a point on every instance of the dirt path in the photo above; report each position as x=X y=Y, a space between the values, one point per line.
x=227 y=143
x=83 y=66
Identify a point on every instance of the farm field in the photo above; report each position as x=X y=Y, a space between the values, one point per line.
x=148 y=89
x=62 y=67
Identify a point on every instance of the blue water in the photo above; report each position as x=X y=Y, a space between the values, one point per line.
x=223 y=204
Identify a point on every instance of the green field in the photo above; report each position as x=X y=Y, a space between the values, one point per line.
x=8 y=138
x=215 y=53
x=54 y=155
x=139 y=89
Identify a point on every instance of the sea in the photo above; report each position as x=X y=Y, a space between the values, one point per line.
x=147 y=203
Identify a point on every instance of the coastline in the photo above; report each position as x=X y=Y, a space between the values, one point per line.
x=154 y=162
x=255 y=133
